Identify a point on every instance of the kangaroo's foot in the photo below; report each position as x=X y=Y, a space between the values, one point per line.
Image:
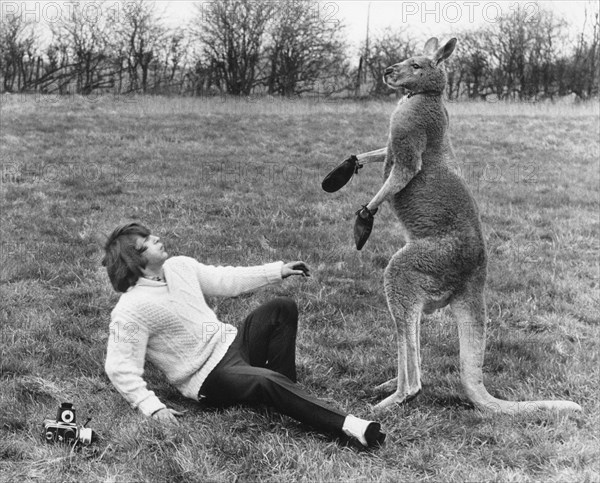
x=403 y=393
x=397 y=398
x=363 y=225
x=341 y=174
x=392 y=385
x=387 y=386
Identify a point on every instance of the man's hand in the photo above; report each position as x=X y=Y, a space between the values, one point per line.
x=167 y=415
x=294 y=268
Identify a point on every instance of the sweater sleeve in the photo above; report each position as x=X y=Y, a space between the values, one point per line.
x=233 y=281
x=125 y=365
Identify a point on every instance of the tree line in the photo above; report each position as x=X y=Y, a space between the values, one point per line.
x=286 y=48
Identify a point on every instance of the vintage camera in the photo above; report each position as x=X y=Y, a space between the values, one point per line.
x=65 y=430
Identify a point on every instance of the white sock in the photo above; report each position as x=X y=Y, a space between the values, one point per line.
x=356 y=428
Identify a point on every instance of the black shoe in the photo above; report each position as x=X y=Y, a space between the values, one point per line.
x=363 y=226
x=341 y=174
x=374 y=436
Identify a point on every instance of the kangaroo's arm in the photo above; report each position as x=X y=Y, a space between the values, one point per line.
x=406 y=163
x=377 y=156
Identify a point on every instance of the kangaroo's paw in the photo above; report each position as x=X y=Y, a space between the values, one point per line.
x=388 y=386
x=363 y=225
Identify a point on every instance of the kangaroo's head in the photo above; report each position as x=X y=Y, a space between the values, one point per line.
x=423 y=72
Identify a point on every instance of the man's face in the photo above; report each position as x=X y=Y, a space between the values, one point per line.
x=153 y=250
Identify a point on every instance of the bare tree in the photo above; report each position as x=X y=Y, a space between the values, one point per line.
x=516 y=57
x=82 y=39
x=584 y=72
x=174 y=57
x=469 y=70
x=304 y=48
x=288 y=48
x=18 y=59
x=232 y=33
x=507 y=42
x=140 y=37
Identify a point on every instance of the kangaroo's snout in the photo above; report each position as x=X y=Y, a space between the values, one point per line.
x=390 y=76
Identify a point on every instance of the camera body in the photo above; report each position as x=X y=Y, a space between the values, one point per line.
x=64 y=428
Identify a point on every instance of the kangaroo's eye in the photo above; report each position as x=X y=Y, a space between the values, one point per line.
x=416 y=66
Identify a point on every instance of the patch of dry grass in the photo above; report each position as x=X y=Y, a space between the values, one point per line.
x=238 y=182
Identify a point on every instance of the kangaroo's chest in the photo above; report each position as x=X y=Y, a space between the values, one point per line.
x=413 y=119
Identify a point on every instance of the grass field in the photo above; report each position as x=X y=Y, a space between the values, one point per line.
x=238 y=182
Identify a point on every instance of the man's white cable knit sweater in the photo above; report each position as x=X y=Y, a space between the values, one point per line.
x=171 y=325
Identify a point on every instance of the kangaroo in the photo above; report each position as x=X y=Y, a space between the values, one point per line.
x=443 y=260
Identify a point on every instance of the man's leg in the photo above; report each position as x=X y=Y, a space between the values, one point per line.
x=235 y=382
x=269 y=337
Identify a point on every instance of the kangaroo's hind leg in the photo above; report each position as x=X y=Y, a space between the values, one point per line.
x=392 y=384
x=405 y=297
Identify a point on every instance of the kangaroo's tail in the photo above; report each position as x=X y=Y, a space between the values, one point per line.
x=470 y=313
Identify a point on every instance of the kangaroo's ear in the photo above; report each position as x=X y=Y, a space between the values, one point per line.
x=445 y=52
x=431 y=46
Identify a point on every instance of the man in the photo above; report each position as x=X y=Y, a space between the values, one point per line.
x=162 y=316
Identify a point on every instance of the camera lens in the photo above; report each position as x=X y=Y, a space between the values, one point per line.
x=49 y=435
x=68 y=416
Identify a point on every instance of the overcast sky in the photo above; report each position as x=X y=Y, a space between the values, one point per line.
x=424 y=18
x=440 y=16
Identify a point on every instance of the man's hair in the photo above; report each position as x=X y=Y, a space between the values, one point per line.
x=122 y=259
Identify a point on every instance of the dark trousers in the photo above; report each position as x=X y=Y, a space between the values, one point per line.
x=260 y=368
